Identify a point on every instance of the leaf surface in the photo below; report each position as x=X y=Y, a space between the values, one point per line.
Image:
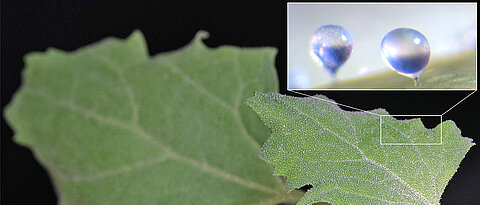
x=113 y=125
x=339 y=152
x=451 y=72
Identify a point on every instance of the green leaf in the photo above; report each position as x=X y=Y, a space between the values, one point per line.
x=453 y=72
x=113 y=125
x=339 y=152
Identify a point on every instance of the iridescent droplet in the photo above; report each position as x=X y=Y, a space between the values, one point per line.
x=406 y=51
x=332 y=45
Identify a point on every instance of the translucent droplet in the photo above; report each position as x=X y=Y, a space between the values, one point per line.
x=406 y=51
x=332 y=45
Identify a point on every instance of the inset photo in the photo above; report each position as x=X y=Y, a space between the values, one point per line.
x=382 y=46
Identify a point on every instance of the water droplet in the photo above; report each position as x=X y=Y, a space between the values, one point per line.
x=406 y=51
x=332 y=46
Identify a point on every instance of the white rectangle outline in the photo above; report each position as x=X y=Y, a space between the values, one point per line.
x=441 y=131
x=394 y=89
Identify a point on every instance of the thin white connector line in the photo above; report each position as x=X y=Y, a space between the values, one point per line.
x=376 y=113
x=335 y=103
x=459 y=102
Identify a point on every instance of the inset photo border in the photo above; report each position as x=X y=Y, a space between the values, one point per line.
x=381 y=46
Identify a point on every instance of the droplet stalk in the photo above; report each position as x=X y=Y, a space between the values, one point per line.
x=417 y=82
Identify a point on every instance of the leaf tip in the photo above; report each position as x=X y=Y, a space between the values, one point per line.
x=136 y=35
x=136 y=32
x=202 y=35
x=452 y=125
x=138 y=38
x=199 y=37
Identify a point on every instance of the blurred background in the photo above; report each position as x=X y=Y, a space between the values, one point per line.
x=449 y=28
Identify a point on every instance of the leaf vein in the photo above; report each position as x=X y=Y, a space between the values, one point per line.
x=128 y=89
x=233 y=108
x=419 y=195
x=121 y=170
x=418 y=154
x=174 y=68
x=367 y=196
x=138 y=130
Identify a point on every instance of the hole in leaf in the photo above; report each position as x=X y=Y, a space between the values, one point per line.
x=429 y=122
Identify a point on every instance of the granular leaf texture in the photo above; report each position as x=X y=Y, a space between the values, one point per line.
x=339 y=152
x=449 y=72
x=113 y=125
